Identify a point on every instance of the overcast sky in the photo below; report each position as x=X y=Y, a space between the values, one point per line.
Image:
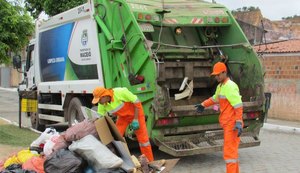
x=271 y=9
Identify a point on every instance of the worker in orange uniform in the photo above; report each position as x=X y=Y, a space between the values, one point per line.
x=231 y=110
x=124 y=104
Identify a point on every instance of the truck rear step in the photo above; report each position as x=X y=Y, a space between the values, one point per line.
x=201 y=143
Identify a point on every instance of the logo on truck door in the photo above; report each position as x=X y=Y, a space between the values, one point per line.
x=84 y=37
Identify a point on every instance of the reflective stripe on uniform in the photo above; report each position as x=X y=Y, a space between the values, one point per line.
x=238 y=105
x=117 y=108
x=144 y=144
x=222 y=97
x=231 y=161
x=136 y=101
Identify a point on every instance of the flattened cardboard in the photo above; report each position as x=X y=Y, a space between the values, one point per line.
x=107 y=130
x=103 y=131
x=169 y=165
x=128 y=164
x=115 y=132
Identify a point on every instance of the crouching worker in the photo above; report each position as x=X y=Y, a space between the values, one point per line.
x=124 y=104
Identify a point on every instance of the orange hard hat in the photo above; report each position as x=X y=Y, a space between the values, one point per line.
x=219 y=67
x=100 y=92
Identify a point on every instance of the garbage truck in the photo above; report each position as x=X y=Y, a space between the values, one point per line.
x=162 y=51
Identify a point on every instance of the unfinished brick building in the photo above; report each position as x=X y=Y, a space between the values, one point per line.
x=281 y=61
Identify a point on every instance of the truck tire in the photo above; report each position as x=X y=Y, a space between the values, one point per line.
x=74 y=111
x=35 y=123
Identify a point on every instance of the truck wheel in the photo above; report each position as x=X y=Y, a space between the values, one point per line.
x=35 y=121
x=74 y=111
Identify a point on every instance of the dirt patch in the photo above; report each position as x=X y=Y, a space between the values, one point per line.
x=8 y=150
x=2 y=122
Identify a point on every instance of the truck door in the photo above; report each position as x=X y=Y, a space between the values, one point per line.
x=29 y=67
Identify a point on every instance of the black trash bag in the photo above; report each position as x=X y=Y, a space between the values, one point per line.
x=16 y=168
x=116 y=170
x=18 y=171
x=64 y=161
x=13 y=167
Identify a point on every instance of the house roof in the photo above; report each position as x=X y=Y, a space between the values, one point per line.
x=286 y=46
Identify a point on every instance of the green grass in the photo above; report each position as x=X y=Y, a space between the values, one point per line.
x=13 y=135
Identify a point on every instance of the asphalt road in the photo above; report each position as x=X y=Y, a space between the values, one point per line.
x=9 y=107
x=278 y=153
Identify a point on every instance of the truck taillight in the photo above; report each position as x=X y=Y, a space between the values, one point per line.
x=167 y=121
x=225 y=20
x=252 y=115
x=140 y=16
x=148 y=17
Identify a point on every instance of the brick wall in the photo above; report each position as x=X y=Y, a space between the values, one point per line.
x=282 y=79
x=282 y=67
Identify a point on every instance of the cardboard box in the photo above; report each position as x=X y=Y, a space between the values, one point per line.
x=107 y=130
x=170 y=164
x=108 y=133
x=166 y=168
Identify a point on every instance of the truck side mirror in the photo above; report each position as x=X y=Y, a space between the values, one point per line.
x=17 y=61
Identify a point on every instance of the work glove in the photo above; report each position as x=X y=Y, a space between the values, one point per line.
x=135 y=125
x=199 y=108
x=238 y=126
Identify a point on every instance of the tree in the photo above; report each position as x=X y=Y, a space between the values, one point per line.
x=245 y=9
x=290 y=17
x=51 y=7
x=16 y=27
x=35 y=7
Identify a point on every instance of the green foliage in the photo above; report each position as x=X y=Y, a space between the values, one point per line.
x=16 y=27
x=35 y=7
x=246 y=9
x=51 y=7
x=291 y=17
x=13 y=135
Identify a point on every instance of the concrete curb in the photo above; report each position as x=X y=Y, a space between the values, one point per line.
x=17 y=124
x=9 y=89
x=280 y=128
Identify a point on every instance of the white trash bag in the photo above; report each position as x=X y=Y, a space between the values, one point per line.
x=43 y=137
x=49 y=144
x=97 y=154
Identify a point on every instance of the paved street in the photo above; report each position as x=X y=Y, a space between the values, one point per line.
x=9 y=106
x=278 y=153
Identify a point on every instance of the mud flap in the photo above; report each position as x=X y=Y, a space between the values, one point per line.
x=201 y=143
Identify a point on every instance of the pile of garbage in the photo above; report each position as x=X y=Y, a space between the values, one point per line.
x=93 y=145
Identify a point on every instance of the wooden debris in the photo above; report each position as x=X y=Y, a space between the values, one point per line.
x=144 y=163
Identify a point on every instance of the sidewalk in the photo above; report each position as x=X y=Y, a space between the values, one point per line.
x=282 y=126
x=283 y=122
x=9 y=89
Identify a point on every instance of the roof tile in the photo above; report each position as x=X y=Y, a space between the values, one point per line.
x=287 y=46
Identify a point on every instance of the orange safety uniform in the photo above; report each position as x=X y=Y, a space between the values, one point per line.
x=231 y=110
x=123 y=104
